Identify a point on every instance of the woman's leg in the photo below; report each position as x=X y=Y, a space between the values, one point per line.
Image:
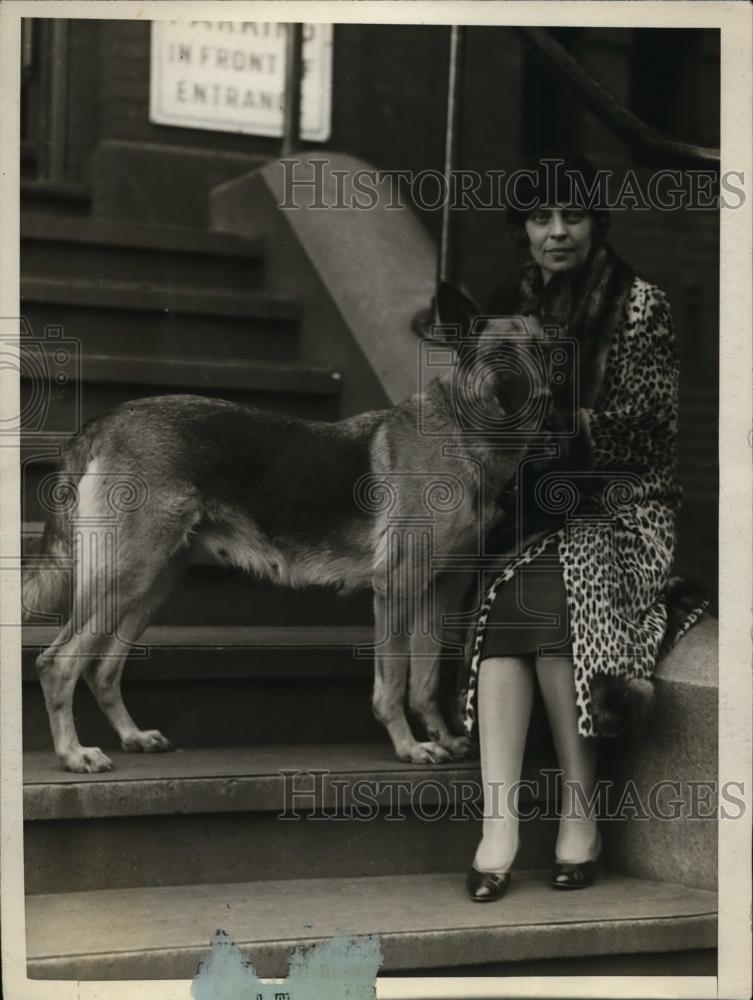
x=577 y=756
x=505 y=696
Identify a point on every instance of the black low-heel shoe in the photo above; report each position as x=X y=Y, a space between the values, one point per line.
x=485 y=887
x=573 y=876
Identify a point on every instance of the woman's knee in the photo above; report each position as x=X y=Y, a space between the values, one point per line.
x=503 y=672
x=554 y=669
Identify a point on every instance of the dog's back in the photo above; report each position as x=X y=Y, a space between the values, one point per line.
x=274 y=495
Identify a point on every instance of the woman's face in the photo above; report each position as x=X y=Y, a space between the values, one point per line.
x=560 y=238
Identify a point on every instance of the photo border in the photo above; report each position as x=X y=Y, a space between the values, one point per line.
x=735 y=20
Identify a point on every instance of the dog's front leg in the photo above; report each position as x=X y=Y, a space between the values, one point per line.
x=426 y=646
x=390 y=682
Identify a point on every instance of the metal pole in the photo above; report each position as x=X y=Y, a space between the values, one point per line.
x=446 y=264
x=291 y=136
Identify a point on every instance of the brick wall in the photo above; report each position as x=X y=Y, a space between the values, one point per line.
x=388 y=94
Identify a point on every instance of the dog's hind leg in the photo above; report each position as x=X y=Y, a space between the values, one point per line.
x=152 y=554
x=104 y=676
x=426 y=646
x=87 y=633
x=59 y=668
x=114 y=579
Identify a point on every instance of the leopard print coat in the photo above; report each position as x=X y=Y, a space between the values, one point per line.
x=617 y=550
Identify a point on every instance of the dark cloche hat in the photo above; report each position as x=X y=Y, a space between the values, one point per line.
x=558 y=178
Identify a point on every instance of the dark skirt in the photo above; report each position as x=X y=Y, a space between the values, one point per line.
x=529 y=613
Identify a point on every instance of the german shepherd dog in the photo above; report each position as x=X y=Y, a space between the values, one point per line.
x=293 y=501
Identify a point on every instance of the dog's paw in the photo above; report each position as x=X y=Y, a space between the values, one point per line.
x=85 y=760
x=147 y=741
x=460 y=747
x=426 y=753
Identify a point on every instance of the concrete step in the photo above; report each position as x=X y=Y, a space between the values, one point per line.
x=233 y=779
x=341 y=810
x=235 y=685
x=695 y=962
x=98 y=382
x=228 y=686
x=423 y=921
x=130 y=295
x=131 y=318
x=180 y=373
x=59 y=198
x=208 y=637
x=104 y=251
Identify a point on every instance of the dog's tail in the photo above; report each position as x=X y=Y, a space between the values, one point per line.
x=47 y=574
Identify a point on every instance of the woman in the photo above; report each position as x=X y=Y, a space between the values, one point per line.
x=601 y=577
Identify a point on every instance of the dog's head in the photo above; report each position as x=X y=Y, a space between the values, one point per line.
x=500 y=365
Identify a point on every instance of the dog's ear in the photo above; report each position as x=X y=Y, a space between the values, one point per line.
x=454 y=308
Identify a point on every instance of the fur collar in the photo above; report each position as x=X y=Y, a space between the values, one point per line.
x=588 y=304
